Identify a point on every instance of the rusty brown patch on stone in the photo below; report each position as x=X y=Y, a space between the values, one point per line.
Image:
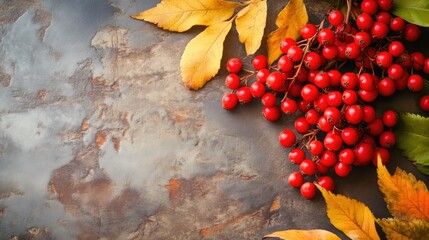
x=173 y=187
x=247 y=177
x=85 y=124
x=34 y=233
x=4 y=78
x=10 y=11
x=42 y=94
x=116 y=143
x=44 y=19
x=10 y=192
x=276 y=204
x=100 y=138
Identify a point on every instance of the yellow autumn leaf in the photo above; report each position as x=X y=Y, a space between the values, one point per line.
x=396 y=229
x=250 y=23
x=289 y=22
x=350 y=216
x=406 y=197
x=179 y=15
x=317 y=234
x=201 y=59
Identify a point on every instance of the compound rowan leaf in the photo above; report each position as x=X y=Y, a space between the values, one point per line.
x=399 y=229
x=406 y=197
x=350 y=216
x=412 y=136
x=179 y=15
x=304 y=235
x=289 y=22
x=201 y=59
x=250 y=23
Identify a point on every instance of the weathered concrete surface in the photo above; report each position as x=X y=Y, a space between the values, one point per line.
x=99 y=139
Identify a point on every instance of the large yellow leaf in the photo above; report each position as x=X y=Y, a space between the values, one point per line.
x=250 y=23
x=317 y=234
x=350 y=216
x=181 y=15
x=396 y=229
x=201 y=58
x=289 y=22
x=406 y=197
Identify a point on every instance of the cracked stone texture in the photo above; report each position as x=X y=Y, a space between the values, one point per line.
x=99 y=139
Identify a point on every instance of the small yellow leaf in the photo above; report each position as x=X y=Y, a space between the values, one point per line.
x=179 y=15
x=289 y=22
x=304 y=235
x=201 y=59
x=250 y=24
x=406 y=197
x=350 y=216
x=396 y=229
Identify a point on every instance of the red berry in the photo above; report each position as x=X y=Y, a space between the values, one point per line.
x=243 y=94
x=415 y=83
x=308 y=31
x=342 y=170
x=369 y=6
x=363 y=153
x=304 y=106
x=271 y=114
x=368 y=96
x=260 y=62
x=335 y=77
x=389 y=118
x=232 y=81
x=350 y=136
x=412 y=32
x=309 y=92
x=287 y=138
x=276 y=81
x=397 y=24
x=354 y=114
x=229 y=101
x=257 y=89
x=350 y=97
x=289 y=106
x=396 y=48
x=384 y=59
x=336 y=18
x=387 y=139
x=327 y=183
x=308 y=167
x=296 y=155
x=424 y=103
x=386 y=87
x=326 y=37
x=234 y=65
x=262 y=75
x=294 y=89
x=375 y=127
x=362 y=39
x=322 y=80
x=286 y=44
x=296 y=179
x=384 y=17
x=379 y=30
x=312 y=116
x=301 y=125
x=285 y=64
x=312 y=61
x=349 y=80
x=395 y=71
x=295 y=53
x=324 y=125
x=418 y=59
x=385 y=5
x=346 y=156
x=269 y=99
x=384 y=155
x=315 y=147
x=333 y=142
x=335 y=99
x=369 y=114
x=332 y=114
x=364 y=22
x=308 y=190
x=366 y=82
x=321 y=103
x=352 y=51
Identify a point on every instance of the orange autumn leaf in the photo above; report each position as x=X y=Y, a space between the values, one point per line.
x=406 y=197
x=404 y=229
x=304 y=235
x=289 y=22
x=350 y=216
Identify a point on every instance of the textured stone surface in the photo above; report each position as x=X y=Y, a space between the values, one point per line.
x=99 y=139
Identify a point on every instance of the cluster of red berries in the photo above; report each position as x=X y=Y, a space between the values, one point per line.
x=338 y=126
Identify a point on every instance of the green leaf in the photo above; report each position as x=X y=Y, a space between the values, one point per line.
x=414 y=11
x=412 y=136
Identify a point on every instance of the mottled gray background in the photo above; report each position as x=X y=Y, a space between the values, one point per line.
x=99 y=139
